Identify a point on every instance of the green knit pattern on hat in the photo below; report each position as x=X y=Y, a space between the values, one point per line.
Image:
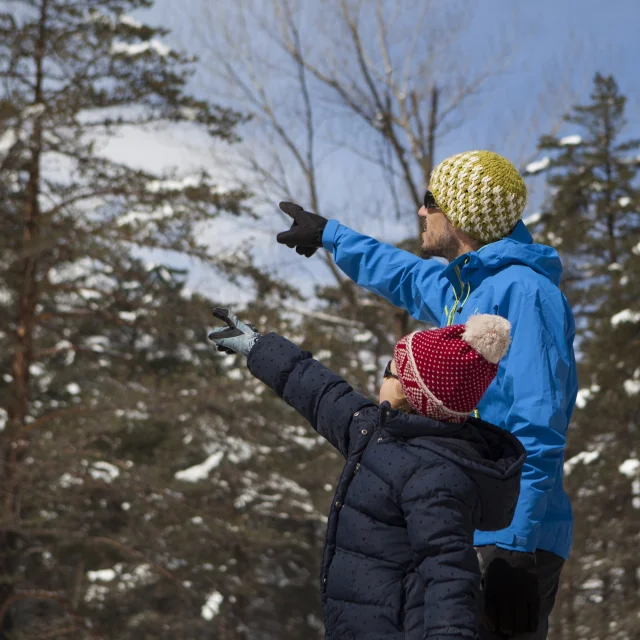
x=481 y=193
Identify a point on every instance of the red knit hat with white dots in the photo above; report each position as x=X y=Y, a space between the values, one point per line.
x=445 y=372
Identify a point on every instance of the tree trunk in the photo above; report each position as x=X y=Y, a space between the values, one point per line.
x=18 y=410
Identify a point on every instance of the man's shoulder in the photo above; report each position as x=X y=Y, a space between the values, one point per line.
x=525 y=282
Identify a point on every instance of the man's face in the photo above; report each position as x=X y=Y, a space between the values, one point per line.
x=438 y=239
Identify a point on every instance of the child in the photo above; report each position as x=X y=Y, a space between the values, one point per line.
x=420 y=476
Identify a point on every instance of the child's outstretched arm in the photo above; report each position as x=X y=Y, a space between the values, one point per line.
x=438 y=504
x=318 y=394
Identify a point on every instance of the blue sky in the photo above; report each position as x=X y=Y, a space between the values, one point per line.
x=555 y=47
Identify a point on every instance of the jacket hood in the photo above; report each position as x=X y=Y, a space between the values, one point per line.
x=491 y=456
x=516 y=249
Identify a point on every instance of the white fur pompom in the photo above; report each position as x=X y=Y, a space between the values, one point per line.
x=489 y=335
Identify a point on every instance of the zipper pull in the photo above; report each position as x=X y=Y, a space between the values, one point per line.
x=356 y=469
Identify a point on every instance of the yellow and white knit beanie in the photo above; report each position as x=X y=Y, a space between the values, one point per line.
x=481 y=193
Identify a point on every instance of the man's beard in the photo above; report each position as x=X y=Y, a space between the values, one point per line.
x=445 y=247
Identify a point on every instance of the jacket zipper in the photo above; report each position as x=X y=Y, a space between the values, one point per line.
x=452 y=314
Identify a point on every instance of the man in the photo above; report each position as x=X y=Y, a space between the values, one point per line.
x=472 y=217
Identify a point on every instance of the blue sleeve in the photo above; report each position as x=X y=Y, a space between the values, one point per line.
x=539 y=376
x=440 y=527
x=319 y=395
x=405 y=280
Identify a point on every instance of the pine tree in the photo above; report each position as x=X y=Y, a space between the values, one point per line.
x=593 y=217
x=151 y=487
x=98 y=358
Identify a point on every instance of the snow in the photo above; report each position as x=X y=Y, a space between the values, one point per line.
x=128 y=49
x=90 y=294
x=323 y=354
x=584 y=457
x=142 y=574
x=211 y=608
x=630 y=467
x=554 y=239
x=282 y=483
x=7 y=140
x=570 y=141
x=102 y=575
x=625 y=316
x=73 y=271
x=133 y=414
x=636 y=249
x=365 y=336
x=144 y=216
x=4 y=416
x=10 y=136
x=130 y=22
x=67 y=480
x=65 y=345
x=632 y=387
x=73 y=388
x=96 y=16
x=104 y=471
x=305 y=442
x=584 y=395
x=625 y=201
x=200 y=471
x=635 y=490
x=128 y=316
x=125 y=506
x=239 y=450
x=593 y=583
x=266 y=502
x=36 y=369
x=98 y=343
x=615 y=266
x=33 y=111
x=534 y=218
x=159 y=186
x=538 y=165
x=301 y=436
x=190 y=113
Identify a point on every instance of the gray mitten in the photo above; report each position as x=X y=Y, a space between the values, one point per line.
x=236 y=337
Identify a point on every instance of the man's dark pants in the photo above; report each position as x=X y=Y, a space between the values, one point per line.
x=548 y=568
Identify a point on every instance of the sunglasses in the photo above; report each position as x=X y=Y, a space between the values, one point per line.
x=388 y=373
x=430 y=201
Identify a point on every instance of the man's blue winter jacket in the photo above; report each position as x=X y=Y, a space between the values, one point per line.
x=534 y=392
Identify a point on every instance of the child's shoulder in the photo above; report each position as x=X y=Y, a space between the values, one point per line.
x=430 y=467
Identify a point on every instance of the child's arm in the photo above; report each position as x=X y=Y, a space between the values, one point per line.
x=438 y=504
x=319 y=395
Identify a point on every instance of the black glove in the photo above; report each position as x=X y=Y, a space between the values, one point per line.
x=306 y=231
x=511 y=596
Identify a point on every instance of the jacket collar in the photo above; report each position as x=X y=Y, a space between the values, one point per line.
x=401 y=425
x=470 y=268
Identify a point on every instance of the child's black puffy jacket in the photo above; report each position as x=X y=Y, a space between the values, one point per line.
x=399 y=561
